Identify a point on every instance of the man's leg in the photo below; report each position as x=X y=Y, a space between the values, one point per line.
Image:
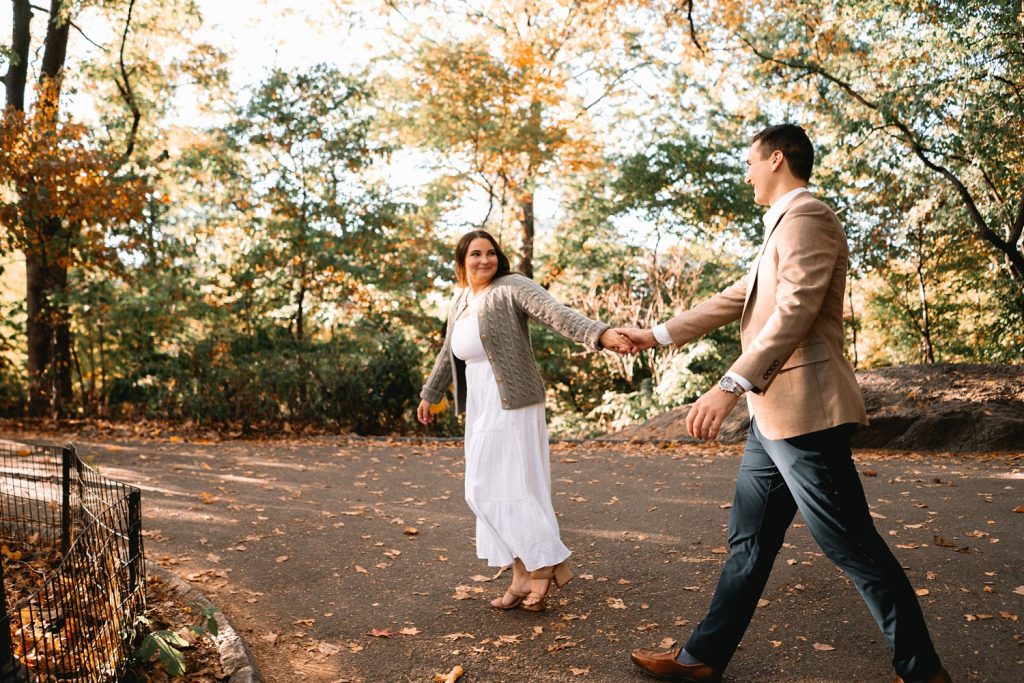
x=819 y=471
x=762 y=510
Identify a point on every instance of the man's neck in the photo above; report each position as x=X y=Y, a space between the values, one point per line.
x=785 y=189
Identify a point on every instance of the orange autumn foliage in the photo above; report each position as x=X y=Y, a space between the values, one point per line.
x=51 y=169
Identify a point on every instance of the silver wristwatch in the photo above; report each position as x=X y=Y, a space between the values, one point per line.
x=732 y=386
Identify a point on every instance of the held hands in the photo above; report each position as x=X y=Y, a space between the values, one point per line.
x=612 y=339
x=641 y=339
x=709 y=412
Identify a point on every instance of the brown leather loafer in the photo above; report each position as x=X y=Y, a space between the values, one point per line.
x=940 y=676
x=662 y=664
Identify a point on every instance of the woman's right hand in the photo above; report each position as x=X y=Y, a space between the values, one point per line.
x=423 y=413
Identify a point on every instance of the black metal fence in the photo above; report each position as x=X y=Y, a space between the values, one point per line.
x=79 y=622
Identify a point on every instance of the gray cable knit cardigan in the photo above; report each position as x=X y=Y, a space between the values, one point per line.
x=504 y=313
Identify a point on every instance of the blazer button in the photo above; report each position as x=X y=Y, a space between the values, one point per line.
x=483 y=336
x=490 y=357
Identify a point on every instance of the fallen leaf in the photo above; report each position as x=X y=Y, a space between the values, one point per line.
x=721 y=550
x=615 y=603
x=877 y=515
x=763 y=603
x=479 y=578
x=579 y=672
x=467 y=592
x=1019 y=508
x=361 y=570
x=1019 y=590
x=380 y=632
x=450 y=677
x=624 y=582
x=1008 y=615
x=409 y=631
x=921 y=592
x=822 y=647
x=304 y=622
x=327 y=648
x=869 y=473
x=667 y=643
x=282 y=558
x=410 y=531
x=207 y=498
x=269 y=638
x=452 y=637
x=725 y=506
x=776 y=643
x=564 y=645
x=940 y=541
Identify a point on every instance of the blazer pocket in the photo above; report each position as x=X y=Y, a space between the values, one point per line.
x=814 y=352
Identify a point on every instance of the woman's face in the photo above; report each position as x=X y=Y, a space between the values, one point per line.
x=481 y=262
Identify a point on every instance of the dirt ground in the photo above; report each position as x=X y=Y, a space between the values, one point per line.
x=352 y=559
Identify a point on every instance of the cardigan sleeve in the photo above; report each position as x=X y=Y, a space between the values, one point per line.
x=537 y=303
x=440 y=377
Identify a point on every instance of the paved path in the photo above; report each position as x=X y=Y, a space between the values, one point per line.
x=310 y=545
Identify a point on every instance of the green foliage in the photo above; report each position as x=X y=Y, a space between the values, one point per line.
x=165 y=643
x=367 y=384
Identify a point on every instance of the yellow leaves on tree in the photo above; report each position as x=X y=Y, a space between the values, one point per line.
x=52 y=169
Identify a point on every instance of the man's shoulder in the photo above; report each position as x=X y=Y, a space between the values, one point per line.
x=806 y=204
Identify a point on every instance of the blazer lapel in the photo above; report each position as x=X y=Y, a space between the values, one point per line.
x=752 y=276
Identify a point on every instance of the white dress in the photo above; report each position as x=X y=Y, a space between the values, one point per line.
x=508 y=469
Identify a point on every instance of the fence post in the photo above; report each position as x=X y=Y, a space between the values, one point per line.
x=67 y=456
x=11 y=669
x=134 y=539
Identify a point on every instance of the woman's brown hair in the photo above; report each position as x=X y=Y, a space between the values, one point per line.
x=462 y=248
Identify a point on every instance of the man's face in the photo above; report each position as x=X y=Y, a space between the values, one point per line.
x=760 y=174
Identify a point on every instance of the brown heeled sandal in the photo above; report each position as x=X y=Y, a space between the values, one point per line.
x=558 y=575
x=517 y=600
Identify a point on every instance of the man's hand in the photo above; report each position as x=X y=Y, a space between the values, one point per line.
x=611 y=339
x=709 y=412
x=642 y=339
x=423 y=413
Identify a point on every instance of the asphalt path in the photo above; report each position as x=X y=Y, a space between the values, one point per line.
x=353 y=560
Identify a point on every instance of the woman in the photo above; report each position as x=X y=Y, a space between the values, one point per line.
x=488 y=356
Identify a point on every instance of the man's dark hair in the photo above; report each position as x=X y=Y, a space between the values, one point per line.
x=792 y=141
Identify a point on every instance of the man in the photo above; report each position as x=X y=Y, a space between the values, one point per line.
x=804 y=405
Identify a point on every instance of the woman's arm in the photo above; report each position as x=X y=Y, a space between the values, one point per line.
x=537 y=303
x=440 y=377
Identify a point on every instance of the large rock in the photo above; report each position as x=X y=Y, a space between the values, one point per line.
x=952 y=407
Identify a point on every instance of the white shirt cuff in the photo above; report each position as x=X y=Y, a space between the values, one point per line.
x=747 y=386
x=661 y=334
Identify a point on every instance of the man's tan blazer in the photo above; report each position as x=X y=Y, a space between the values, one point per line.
x=790 y=308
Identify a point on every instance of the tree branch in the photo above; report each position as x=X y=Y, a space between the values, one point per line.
x=125 y=88
x=982 y=227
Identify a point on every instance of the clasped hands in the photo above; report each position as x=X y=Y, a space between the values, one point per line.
x=628 y=339
x=708 y=412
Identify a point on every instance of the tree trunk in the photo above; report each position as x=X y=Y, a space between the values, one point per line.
x=300 y=299
x=17 y=70
x=526 y=261
x=48 y=329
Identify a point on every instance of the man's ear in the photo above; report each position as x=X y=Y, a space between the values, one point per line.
x=777 y=158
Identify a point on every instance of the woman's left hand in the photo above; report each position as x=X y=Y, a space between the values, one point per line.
x=611 y=339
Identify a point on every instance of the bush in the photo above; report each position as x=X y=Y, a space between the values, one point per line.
x=369 y=388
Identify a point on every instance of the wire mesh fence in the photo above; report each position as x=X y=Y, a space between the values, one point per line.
x=78 y=621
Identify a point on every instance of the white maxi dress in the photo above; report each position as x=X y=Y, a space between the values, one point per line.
x=508 y=471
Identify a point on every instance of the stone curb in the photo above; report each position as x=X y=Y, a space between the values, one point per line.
x=235 y=657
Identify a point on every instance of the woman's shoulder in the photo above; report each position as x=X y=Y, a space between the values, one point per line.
x=514 y=281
